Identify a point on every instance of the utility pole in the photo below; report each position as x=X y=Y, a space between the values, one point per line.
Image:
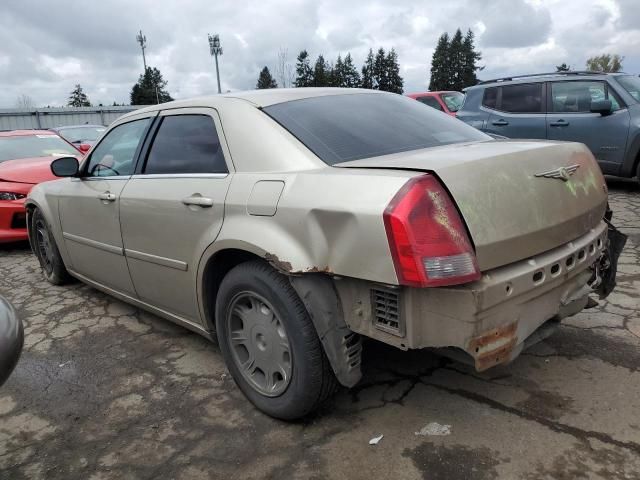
x=142 y=40
x=215 y=49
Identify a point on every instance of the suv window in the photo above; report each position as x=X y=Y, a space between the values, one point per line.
x=186 y=144
x=115 y=154
x=490 y=99
x=573 y=97
x=631 y=84
x=431 y=101
x=522 y=98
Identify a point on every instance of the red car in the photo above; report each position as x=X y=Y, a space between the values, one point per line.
x=25 y=159
x=446 y=101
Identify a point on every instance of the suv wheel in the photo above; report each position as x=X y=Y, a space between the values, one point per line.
x=269 y=342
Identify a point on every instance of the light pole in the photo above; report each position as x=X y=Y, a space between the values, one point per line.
x=215 y=49
x=142 y=40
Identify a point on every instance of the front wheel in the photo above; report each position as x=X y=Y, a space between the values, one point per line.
x=46 y=250
x=269 y=342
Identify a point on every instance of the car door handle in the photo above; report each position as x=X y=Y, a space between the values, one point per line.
x=107 y=197
x=199 y=201
x=500 y=123
x=559 y=123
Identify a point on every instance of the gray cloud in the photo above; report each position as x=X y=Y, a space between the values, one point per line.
x=514 y=23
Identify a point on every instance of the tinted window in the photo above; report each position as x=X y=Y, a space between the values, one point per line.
x=115 y=154
x=431 y=101
x=28 y=146
x=186 y=144
x=490 y=99
x=340 y=128
x=522 y=98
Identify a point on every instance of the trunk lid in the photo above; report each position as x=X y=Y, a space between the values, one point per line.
x=511 y=209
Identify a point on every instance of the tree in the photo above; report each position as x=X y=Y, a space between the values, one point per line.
x=265 y=80
x=607 y=63
x=380 y=81
x=456 y=62
x=367 y=72
x=304 y=74
x=321 y=71
x=78 y=98
x=351 y=75
x=563 y=68
x=338 y=74
x=24 y=102
x=284 y=70
x=440 y=65
x=470 y=59
x=150 y=89
x=395 y=83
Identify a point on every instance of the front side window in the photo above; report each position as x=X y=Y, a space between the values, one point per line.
x=186 y=144
x=631 y=84
x=574 y=97
x=430 y=101
x=115 y=154
x=453 y=100
x=341 y=128
x=490 y=97
x=29 y=146
x=522 y=98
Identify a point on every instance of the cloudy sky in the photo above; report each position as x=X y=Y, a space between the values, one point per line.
x=47 y=47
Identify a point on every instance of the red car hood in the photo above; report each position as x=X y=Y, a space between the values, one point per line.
x=27 y=170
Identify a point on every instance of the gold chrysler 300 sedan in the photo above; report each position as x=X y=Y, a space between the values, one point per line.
x=289 y=223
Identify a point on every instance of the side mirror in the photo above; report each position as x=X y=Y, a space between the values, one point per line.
x=603 y=107
x=84 y=148
x=65 y=167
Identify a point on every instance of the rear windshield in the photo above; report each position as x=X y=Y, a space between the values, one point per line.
x=28 y=146
x=631 y=84
x=341 y=128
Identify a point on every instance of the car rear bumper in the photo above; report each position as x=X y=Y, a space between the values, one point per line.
x=492 y=319
x=13 y=227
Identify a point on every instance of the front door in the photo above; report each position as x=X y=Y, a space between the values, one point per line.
x=173 y=208
x=570 y=119
x=89 y=208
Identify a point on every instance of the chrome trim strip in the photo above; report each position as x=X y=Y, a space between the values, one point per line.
x=93 y=243
x=147 y=257
x=95 y=179
x=141 y=176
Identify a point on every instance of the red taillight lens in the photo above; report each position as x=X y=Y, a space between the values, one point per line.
x=428 y=241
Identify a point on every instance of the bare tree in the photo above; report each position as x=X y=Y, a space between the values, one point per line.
x=284 y=69
x=24 y=102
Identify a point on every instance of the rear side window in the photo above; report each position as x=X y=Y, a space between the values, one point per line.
x=186 y=144
x=490 y=98
x=431 y=101
x=526 y=98
x=340 y=128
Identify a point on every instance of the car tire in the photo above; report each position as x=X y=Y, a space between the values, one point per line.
x=270 y=344
x=46 y=250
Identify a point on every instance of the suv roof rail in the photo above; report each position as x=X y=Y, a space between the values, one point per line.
x=549 y=74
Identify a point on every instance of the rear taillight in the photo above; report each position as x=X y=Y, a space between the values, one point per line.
x=428 y=241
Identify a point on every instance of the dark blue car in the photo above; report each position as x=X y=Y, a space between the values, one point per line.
x=598 y=109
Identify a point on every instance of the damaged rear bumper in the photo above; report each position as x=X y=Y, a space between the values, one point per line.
x=489 y=321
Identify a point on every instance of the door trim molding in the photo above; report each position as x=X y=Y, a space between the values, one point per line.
x=164 y=261
x=94 y=243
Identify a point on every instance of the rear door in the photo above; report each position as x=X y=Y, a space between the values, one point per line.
x=518 y=110
x=89 y=207
x=570 y=119
x=173 y=208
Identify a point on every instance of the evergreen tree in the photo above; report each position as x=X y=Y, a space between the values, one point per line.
x=380 y=80
x=440 y=65
x=351 y=76
x=321 y=73
x=563 y=68
x=471 y=58
x=304 y=74
x=456 y=62
x=395 y=83
x=337 y=73
x=78 y=98
x=367 y=72
x=150 y=89
x=265 y=80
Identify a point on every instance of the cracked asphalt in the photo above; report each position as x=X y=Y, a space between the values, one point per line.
x=106 y=391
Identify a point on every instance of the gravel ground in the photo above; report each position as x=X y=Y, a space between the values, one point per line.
x=106 y=391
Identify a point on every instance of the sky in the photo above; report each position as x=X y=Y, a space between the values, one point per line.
x=47 y=47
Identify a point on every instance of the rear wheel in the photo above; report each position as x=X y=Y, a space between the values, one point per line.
x=47 y=251
x=269 y=342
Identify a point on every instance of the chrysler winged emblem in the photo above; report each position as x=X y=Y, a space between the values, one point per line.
x=563 y=173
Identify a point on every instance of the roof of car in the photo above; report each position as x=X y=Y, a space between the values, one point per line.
x=543 y=77
x=259 y=98
x=25 y=133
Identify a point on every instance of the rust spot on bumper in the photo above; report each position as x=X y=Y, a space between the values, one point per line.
x=277 y=263
x=493 y=347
